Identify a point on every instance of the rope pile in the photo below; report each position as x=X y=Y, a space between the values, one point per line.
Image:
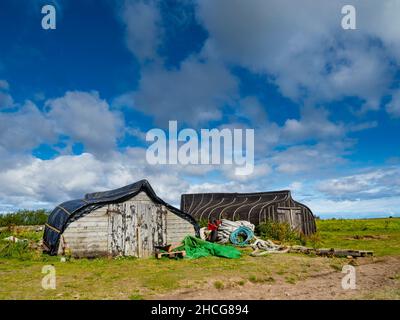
x=263 y=247
x=235 y=236
x=232 y=231
x=227 y=227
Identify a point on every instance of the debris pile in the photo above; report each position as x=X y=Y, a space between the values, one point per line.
x=228 y=228
x=263 y=247
x=14 y=239
x=241 y=233
x=349 y=253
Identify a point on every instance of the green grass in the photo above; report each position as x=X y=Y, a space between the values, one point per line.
x=351 y=225
x=136 y=297
x=129 y=278
x=241 y=283
x=261 y=279
x=379 y=235
x=291 y=279
x=219 y=285
x=139 y=278
x=21 y=233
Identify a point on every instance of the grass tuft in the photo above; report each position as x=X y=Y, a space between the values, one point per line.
x=219 y=285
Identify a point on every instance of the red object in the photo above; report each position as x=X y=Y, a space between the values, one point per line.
x=213 y=226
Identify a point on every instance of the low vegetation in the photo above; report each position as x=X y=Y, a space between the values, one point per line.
x=107 y=278
x=24 y=218
x=379 y=235
x=279 y=231
x=218 y=284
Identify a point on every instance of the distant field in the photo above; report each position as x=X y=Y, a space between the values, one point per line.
x=380 y=235
x=284 y=276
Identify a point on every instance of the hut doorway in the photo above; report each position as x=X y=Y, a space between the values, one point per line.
x=292 y=215
x=133 y=231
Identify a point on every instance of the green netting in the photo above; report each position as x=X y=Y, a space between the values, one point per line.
x=197 y=248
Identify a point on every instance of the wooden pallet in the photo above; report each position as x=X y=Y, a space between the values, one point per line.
x=167 y=250
x=171 y=254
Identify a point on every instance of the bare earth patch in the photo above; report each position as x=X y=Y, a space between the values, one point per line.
x=377 y=278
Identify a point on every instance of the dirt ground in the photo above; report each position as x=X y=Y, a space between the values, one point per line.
x=376 y=278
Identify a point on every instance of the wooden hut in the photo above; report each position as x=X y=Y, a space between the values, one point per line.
x=128 y=221
x=254 y=207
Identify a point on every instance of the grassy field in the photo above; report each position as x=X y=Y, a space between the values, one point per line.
x=380 y=235
x=130 y=278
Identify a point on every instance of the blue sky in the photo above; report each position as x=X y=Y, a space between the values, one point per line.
x=76 y=102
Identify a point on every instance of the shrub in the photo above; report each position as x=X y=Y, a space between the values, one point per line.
x=315 y=240
x=17 y=250
x=218 y=285
x=203 y=223
x=278 y=231
x=24 y=217
x=241 y=283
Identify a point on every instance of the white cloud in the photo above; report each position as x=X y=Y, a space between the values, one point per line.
x=25 y=128
x=308 y=54
x=83 y=117
x=48 y=182
x=142 y=19
x=6 y=101
x=362 y=126
x=380 y=19
x=365 y=208
x=296 y=186
x=193 y=93
x=393 y=107
x=311 y=159
x=260 y=170
x=124 y=100
x=314 y=124
x=384 y=182
x=227 y=186
x=249 y=107
x=35 y=183
x=86 y=118
x=303 y=51
x=11 y=159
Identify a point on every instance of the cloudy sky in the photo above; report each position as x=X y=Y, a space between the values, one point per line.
x=76 y=102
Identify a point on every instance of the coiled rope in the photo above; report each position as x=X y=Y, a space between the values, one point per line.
x=236 y=236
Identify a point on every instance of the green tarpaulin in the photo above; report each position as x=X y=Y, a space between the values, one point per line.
x=197 y=248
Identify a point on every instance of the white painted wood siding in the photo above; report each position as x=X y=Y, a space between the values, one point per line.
x=88 y=235
x=130 y=228
x=178 y=228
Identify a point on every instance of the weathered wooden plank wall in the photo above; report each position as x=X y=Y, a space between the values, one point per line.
x=130 y=228
x=87 y=236
x=254 y=207
x=177 y=228
x=136 y=226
